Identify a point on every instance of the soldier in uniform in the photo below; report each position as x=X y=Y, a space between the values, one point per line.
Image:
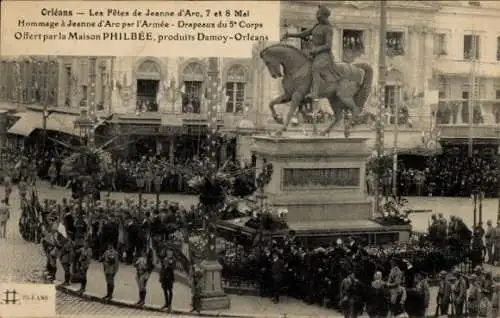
x=349 y=292
x=4 y=218
x=196 y=288
x=277 y=269
x=473 y=296
x=495 y=302
x=144 y=265
x=496 y=242
x=50 y=247
x=23 y=190
x=69 y=223
x=444 y=294
x=110 y=264
x=66 y=256
x=84 y=259
x=167 y=278
x=459 y=293
x=394 y=281
x=8 y=188
x=52 y=173
x=489 y=240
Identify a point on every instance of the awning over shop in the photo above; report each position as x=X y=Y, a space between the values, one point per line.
x=27 y=123
x=64 y=123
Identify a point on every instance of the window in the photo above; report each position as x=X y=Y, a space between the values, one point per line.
x=352 y=44
x=236 y=94
x=497 y=94
x=102 y=79
x=498 y=48
x=35 y=88
x=69 y=86
x=11 y=81
x=25 y=70
x=392 y=96
x=146 y=95
x=395 y=43
x=465 y=106
x=440 y=44
x=85 y=96
x=444 y=87
x=471 y=47
x=191 y=101
x=194 y=77
x=44 y=80
x=53 y=82
x=235 y=89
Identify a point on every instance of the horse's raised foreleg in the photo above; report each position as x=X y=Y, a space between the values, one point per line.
x=336 y=106
x=282 y=99
x=296 y=99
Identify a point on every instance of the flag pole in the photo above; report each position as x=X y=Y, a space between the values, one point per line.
x=381 y=103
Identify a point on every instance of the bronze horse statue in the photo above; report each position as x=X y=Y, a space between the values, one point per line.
x=288 y=62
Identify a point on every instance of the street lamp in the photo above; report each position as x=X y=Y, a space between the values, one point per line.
x=158 y=180
x=139 y=178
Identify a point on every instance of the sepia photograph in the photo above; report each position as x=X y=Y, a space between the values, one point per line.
x=350 y=169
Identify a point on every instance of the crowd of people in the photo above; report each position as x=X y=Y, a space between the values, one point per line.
x=349 y=275
x=355 y=278
x=121 y=175
x=449 y=175
x=145 y=235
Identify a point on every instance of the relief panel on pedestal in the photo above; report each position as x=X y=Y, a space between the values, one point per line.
x=296 y=179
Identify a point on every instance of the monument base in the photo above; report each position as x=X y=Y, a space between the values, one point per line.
x=212 y=294
x=316 y=233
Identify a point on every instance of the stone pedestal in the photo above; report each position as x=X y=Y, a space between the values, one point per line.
x=316 y=178
x=321 y=182
x=212 y=295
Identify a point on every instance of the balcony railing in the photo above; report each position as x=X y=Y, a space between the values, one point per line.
x=174 y=115
x=464 y=131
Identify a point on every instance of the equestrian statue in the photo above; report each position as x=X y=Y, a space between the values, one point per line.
x=313 y=74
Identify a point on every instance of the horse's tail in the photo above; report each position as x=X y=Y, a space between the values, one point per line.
x=362 y=94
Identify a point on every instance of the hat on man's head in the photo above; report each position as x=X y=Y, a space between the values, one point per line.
x=324 y=11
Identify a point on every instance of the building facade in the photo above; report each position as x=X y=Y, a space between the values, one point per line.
x=429 y=46
x=161 y=103
x=356 y=37
x=467 y=66
x=435 y=50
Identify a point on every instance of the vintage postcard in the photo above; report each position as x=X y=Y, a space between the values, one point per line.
x=250 y=158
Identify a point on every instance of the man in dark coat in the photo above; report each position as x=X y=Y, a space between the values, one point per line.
x=66 y=257
x=167 y=278
x=277 y=270
x=69 y=223
x=131 y=228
